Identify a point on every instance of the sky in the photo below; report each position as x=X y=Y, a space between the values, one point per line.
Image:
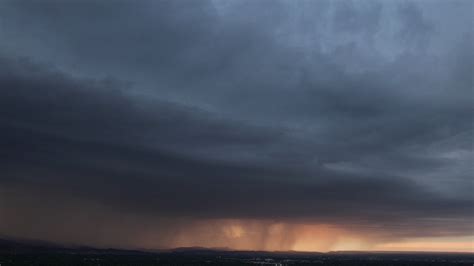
x=256 y=125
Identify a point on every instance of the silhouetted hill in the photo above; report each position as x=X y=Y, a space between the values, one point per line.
x=24 y=246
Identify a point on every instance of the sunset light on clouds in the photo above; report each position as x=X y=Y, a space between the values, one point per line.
x=249 y=125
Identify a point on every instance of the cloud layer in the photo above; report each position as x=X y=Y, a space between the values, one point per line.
x=250 y=115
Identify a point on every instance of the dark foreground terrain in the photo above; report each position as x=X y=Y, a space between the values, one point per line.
x=18 y=253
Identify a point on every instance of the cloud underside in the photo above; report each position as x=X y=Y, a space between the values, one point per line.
x=247 y=123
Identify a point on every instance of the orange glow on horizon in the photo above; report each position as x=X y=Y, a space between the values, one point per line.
x=278 y=236
x=435 y=245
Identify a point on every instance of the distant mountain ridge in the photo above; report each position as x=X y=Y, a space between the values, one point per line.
x=23 y=246
x=16 y=245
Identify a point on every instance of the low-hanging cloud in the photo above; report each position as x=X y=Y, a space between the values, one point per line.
x=217 y=114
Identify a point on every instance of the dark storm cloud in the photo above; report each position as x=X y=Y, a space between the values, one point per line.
x=361 y=113
x=80 y=137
